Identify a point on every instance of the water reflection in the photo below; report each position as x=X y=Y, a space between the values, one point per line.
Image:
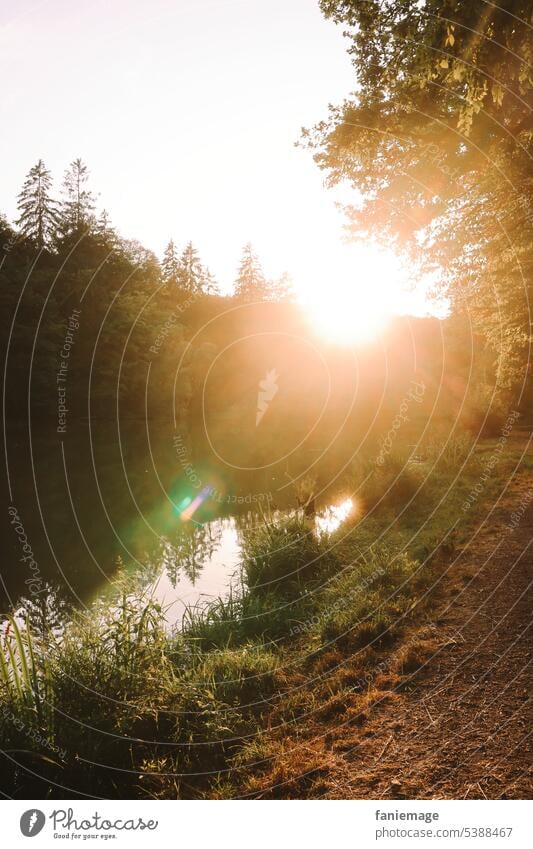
x=192 y=566
x=191 y=549
x=206 y=562
x=95 y=510
x=331 y=518
x=213 y=556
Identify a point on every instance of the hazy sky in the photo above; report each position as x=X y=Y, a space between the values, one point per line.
x=186 y=112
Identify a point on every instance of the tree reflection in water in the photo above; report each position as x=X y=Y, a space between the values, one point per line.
x=190 y=549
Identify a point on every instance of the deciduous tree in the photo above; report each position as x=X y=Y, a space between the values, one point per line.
x=437 y=143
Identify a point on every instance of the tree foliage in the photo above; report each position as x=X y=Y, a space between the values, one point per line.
x=192 y=277
x=170 y=264
x=437 y=142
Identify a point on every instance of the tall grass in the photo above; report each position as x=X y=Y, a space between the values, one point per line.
x=448 y=452
x=121 y=698
x=25 y=682
x=237 y=619
x=367 y=602
x=282 y=556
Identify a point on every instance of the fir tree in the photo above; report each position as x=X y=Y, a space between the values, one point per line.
x=281 y=289
x=104 y=230
x=170 y=265
x=191 y=274
x=250 y=284
x=210 y=285
x=39 y=213
x=77 y=208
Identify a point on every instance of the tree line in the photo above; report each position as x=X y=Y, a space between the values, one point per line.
x=56 y=225
x=137 y=314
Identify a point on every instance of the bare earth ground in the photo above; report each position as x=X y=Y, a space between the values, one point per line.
x=460 y=728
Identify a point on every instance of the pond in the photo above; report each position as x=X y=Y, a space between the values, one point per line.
x=84 y=509
x=216 y=570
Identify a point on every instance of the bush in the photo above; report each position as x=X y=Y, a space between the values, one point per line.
x=391 y=484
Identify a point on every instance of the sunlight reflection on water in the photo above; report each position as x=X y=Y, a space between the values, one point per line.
x=215 y=577
x=219 y=571
x=328 y=520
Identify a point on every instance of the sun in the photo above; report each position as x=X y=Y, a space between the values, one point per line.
x=351 y=299
x=349 y=317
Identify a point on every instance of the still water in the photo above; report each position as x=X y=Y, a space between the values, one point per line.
x=219 y=570
x=81 y=510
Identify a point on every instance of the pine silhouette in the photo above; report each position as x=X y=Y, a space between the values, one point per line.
x=77 y=208
x=170 y=265
x=191 y=273
x=104 y=230
x=39 y=212
x=250 y=284
x=209 y=284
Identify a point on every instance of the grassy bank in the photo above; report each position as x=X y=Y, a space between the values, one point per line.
x=112 y=706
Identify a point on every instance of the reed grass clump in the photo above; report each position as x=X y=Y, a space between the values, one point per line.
x=234 y=621
x=282 y=556
x=26 y=695
x=119 y=697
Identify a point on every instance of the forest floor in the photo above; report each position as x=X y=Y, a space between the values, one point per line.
x=450 y=714
x=460 y=729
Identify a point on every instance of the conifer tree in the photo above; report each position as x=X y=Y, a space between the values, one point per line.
x=281 y=289
x=250 y=284
x=39 y=213
x=209 y=284
x=77 y=208
x=191 y=274
x=104 y=229
x=170 y=265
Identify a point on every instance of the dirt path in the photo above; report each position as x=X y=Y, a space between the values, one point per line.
x=461 y=727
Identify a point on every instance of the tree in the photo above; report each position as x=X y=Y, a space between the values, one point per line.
x=170 y=264
x=250 y=284
x=104 y=231
x=77 y=208
x=282 y=288
x=39 y=213
x=210 y=285
x=437 y=143
x=142 y=259
x=191 y=274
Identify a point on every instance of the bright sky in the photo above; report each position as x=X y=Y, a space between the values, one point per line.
x=186 y=112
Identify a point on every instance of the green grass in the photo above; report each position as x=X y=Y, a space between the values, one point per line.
x=367 y=602
x=231 y=622
x=283 y=556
